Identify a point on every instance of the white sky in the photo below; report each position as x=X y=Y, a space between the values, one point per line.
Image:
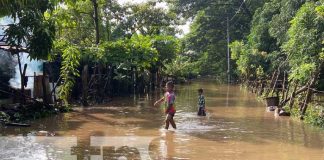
x=131 y=1
x=185 y=28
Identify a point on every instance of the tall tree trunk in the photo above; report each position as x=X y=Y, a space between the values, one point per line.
x=110 y=77
x=100 y=84
x=158 y=77
x=136 y=80
x=22 y=80
x=85 y=88
x=133 y=79
x=108 y=27
x=96 y=20
x=153 y=78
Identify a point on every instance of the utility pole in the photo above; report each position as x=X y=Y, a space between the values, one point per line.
x=228 y=52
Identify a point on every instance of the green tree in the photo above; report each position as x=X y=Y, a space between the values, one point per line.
x=207 y=37
x=305 y=48
x=280 y=22
x=251 y=63
x=259 y=38
x=305 y=42
x=31 y=32
x=146 y=19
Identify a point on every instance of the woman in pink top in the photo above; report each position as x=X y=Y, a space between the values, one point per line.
x=169 y=99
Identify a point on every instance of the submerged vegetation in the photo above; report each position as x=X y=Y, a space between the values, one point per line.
x=97 y=49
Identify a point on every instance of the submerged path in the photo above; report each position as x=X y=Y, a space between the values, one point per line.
x=237 y=126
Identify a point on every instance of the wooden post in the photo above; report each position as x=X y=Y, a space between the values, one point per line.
x=284 y=85
x=309 y=94
x=99 y=84
x=275 y=83
x=54 y=94
x=45 y=100
x=23 y=84
x=287 y=90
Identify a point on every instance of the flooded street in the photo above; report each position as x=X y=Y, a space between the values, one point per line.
x=237 y=126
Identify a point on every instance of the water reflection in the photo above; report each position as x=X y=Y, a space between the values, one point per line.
x=33 y=147
x=167 y=149
x=236 y=127
x=129 y=147
x=227 y=95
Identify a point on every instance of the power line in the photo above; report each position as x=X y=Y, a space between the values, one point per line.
x=228 y=41
x=238 y=10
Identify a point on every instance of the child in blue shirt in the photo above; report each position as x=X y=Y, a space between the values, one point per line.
x=201 y=103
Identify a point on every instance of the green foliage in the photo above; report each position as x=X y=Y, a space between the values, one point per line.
x=17 y=117
x=259 y=37
x=285 y=35
x=302 y=72
x=74 y=22
x=114 y=52
x=189 y=8
x=137 y=37
x=167 y=47
x=315 y=116
x=145 y=19
x=269 y=31
x=31 y=29
x=142 y=53
x=137 y=51
x=305 y=42
x=4 y=117
x=259 y=72
x=279 y=24
x=7 y=6
x=250 y=63
x=181 y=67
x=207 y=38
x=237 y=48
x=71 y=58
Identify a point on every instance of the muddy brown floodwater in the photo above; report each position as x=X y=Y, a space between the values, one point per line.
x=237 y=126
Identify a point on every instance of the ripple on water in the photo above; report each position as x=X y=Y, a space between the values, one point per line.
x=190 y=122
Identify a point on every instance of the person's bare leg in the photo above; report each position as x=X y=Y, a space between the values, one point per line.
x=167 y=122
x=173 y=123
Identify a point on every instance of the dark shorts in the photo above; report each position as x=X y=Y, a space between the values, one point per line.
x=201 y=112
